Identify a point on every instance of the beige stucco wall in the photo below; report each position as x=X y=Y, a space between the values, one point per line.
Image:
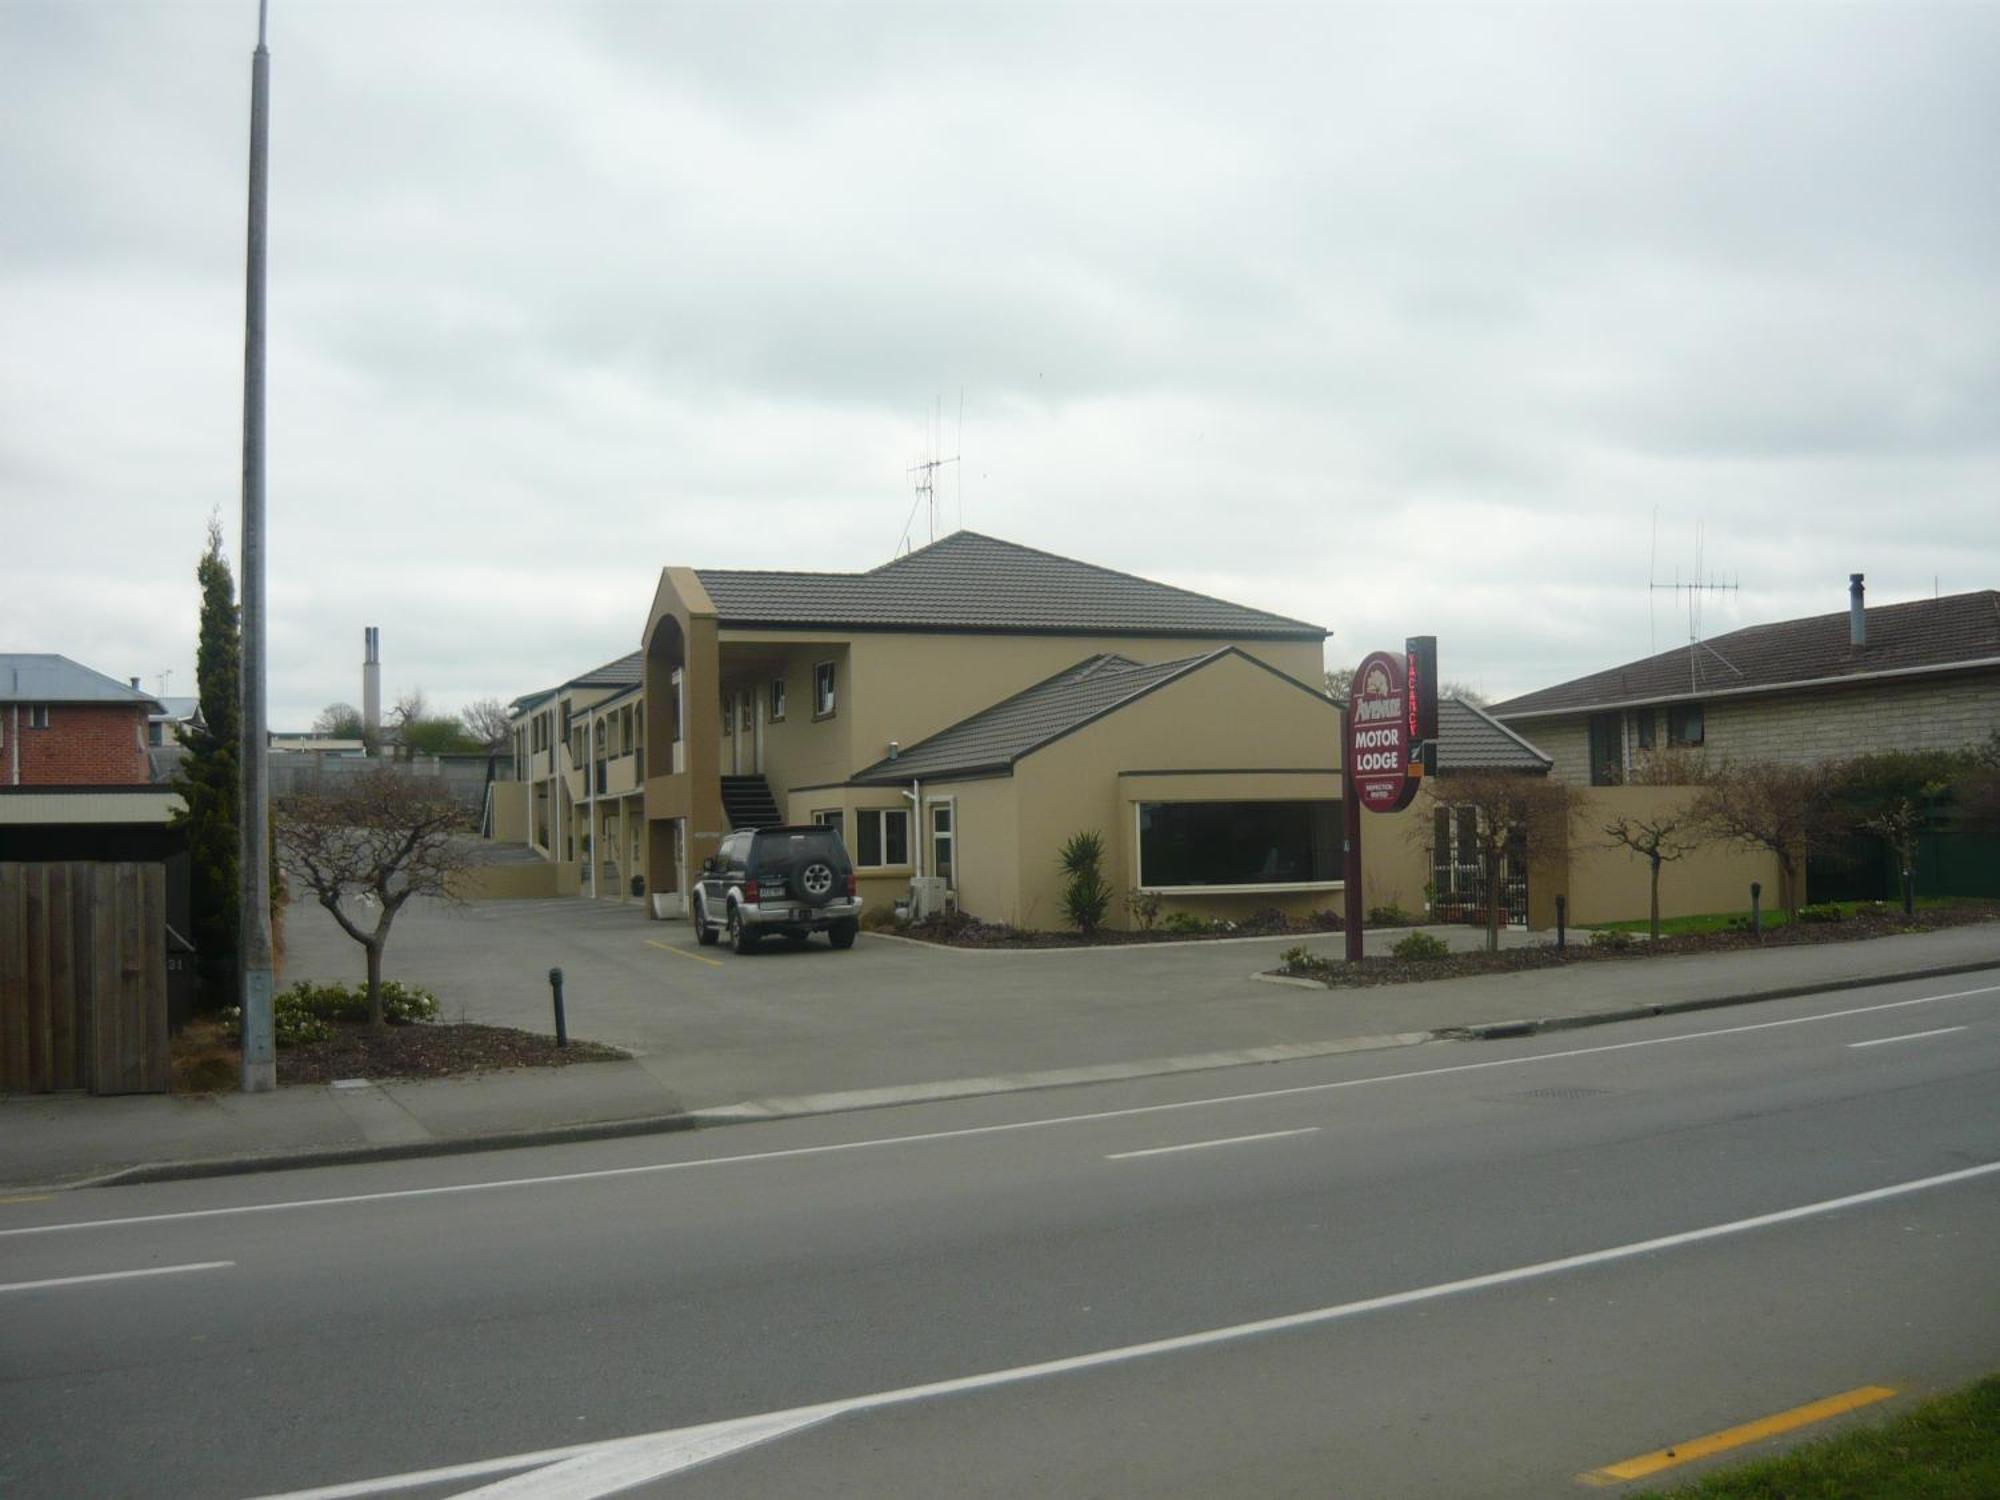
x=516 y=882
x=1603 y=882
x=510 y=812
x=1922 y=713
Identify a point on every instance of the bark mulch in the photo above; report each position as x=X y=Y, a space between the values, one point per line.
x=424 y=1049
x=958 y=930
x=1868 y=922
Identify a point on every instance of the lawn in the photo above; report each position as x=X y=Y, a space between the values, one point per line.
x=1945 y=1449
x=1723 y=921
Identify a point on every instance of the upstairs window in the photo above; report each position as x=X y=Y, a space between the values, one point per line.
x=1684 y=724
x=823 y=699
x=38 y=716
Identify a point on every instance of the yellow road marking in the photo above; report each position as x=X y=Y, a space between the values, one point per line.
x=29 y=1198
x=1736 y=1437
x=713 y=963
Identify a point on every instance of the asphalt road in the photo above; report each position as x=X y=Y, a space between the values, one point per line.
x=1449 y=1270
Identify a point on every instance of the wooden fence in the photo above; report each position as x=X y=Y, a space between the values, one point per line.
x=83 y=978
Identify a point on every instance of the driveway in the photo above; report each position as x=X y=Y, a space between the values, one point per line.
x=717 y=1028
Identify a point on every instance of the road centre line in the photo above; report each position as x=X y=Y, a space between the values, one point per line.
x=1908 y=1036
x=919 y=1137
x=779 y=1422
x=1735 y=1437
x=713 y=963
x=53 y=1281
x=1233 y=1140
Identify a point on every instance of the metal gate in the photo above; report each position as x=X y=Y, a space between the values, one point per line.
x=1459 y=884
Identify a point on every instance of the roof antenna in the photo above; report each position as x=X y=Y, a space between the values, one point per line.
x=926 y=471
x=1695 y=592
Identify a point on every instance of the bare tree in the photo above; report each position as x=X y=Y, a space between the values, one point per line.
x=487 y=721
x=1791 y=810
x=1660 y=837
x=1463 y=692
x=376 y=839
x=1526 y=816
x=1338 y=681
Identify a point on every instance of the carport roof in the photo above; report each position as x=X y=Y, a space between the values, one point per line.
x=970 y=582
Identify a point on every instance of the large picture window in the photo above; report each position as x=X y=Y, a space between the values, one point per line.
x=1238 y=843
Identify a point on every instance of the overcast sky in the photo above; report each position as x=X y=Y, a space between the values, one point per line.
x=1396 y=320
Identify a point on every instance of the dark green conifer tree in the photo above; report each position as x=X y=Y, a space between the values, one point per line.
x=207 y=778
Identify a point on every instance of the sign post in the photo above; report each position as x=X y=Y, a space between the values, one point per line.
x=1388 y=741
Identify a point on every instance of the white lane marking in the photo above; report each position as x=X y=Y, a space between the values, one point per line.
x=1908 y=1036
x=606 y=1173
x=623 y=1465
x=1233 y=1140
x=31 y=1286
x=801 y=1416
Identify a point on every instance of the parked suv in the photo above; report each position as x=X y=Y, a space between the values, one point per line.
x=794 y=880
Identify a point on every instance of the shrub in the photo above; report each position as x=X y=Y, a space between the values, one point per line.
x=1185 y=922
x=1295 y=958
x=1328 y=921
x=877 y=918
x=1824 y=911
x=1421 y=946
x=1391 y=916
x=1611 y=938
x=1263 y=922
x=1144 y=908
x=1085 y=896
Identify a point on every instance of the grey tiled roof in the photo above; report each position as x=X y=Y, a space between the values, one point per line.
x=968 y=582
x=624 y=672
x=43 y=677
x=994 y=738
x=1469 y=740
x=1930 y=633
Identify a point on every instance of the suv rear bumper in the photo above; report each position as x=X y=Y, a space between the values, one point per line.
x=797 y=917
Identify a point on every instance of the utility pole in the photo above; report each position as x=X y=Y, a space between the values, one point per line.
x=260 y=1058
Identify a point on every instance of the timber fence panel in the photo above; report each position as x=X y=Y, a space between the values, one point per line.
x=14 y=1074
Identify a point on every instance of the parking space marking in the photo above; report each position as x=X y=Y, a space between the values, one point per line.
x=713 y=963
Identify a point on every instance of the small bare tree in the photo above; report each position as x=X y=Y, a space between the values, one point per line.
x=487 y=721
x=1519 y=814
x=1790 y=810
x=1659 y=837
x=378 y=838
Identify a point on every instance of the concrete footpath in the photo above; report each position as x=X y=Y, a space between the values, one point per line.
x=70 y=1140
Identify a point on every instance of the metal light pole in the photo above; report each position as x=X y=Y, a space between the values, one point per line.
x=260 y=1064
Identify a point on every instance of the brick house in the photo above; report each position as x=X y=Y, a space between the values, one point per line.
x=1917 y=676
x=62 y=724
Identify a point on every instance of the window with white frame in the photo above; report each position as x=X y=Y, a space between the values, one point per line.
x=882 y=837
x=823 y=696
x=944 y=833
x=777 y=700
x=38 y=716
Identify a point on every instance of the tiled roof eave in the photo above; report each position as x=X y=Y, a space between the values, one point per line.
x=1081 y=627
x=1844 y=679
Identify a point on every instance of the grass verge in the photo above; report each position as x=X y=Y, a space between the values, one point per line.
x=1947 y=1448
x=1726 y=921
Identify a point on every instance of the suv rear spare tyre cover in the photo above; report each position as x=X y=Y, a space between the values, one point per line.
x=816 y=882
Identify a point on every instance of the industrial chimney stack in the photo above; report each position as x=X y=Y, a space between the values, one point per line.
x=371 y=684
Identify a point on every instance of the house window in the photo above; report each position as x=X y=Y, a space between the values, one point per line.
x=1642 y=728
x=833 y=818
x=1238 y=843
x=883 y=837
x=1607 y=749
x=777 y=700
x=156 y=733
x=942 y=843
x=38 y=716
x=1684 y=724
x=823 y=690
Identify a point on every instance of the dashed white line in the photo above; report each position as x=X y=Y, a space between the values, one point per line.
x=605 y=1173
x=54 y=1281
x=1231 y=1140
x=1908 y=1036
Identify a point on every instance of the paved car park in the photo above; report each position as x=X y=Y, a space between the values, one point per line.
x=717 y=1028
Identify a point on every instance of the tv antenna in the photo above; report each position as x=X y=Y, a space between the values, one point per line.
x=927 y=474
x=1695 y=592
x=165 y=676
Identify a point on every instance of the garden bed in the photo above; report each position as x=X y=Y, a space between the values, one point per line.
x=959 y=930
x=1857 y=921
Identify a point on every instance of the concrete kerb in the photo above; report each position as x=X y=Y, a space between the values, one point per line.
x=803 y=1106
x=1493 y=1031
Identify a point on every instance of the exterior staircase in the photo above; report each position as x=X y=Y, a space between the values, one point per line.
x=749 y=803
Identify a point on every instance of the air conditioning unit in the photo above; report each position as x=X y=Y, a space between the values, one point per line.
x=927 y=896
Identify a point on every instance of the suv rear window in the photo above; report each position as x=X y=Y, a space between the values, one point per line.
x=782 y=849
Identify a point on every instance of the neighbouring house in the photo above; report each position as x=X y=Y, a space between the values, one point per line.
x=61 y=724
x=1918 y=676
